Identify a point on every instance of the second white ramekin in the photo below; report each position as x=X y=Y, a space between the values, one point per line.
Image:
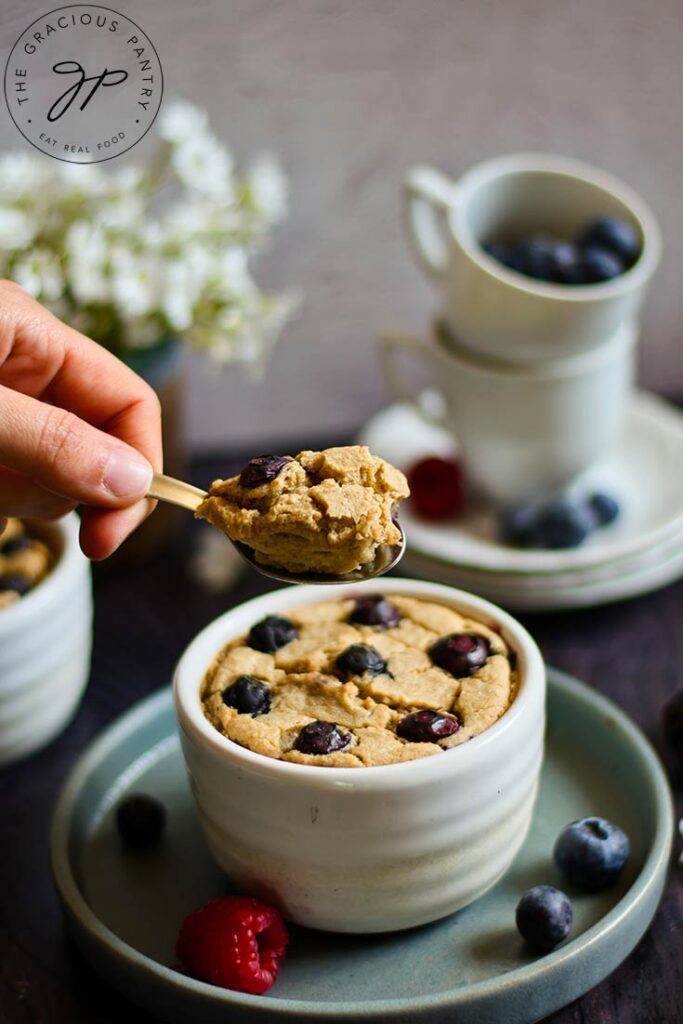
x=45 y=645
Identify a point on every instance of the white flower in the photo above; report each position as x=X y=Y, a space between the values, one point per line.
x=83 y=240
x=182 y=220
x=22 y=174
x=268 y=187
x=232 y=273
x=83 y=179
x=40 y=274
x=180 y=120
x=134 y=282
x=17 y=229
x=122 y=211
x=216 y=565
x=204 y=165
x=180 y=291
x=86 y=250
x=127 y=179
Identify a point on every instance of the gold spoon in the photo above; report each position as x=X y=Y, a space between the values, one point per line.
x=177 y=492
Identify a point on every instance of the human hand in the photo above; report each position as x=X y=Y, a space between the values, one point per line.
x=77 y=427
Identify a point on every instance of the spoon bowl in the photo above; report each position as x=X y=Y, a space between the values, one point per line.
x=177 y=492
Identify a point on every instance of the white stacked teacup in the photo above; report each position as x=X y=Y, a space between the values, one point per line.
x=536 y=376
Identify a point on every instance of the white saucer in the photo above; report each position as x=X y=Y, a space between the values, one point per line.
x=641 y=552
x=582 y=595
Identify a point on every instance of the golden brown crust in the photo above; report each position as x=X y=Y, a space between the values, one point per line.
x=324 y=512
x=305 y=686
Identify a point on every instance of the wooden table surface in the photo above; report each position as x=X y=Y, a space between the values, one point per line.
x=632 y=652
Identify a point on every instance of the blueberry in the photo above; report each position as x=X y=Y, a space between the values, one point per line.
x=517 y=525
x=591 y=853
x=14 y=581
x=544 y=916
x=562 y=523
x=271 y=633
x=600 y=264
x=248 y=696
x=615 y=234
x=605 y=508
x=321 y=738
x=375 y=611
x=15 y=545
x=500 y=251
x=426 y=726
x=461 y=654
x=262 y=469
x=537 y=258
x=140 y=820
x=672 y=723
x=569 y=267
x=360 y=660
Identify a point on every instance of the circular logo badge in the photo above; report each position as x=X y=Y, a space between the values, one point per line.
x=83 y=83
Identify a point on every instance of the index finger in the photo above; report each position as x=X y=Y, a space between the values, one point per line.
x=45 y=358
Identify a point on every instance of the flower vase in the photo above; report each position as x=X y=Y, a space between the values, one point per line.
x=163 y=368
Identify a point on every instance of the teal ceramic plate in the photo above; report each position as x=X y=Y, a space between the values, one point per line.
x=124 y=908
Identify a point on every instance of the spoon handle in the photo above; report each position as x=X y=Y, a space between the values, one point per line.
x=177 y=492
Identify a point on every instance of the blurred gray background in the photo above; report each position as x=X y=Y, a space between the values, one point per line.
x=350 y=93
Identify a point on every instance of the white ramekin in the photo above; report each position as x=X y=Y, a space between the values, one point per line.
x=45 y=645
x=365 y=849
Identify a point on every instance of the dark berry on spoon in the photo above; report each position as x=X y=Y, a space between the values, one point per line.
x=544 y=916
x=262 y=469
x=321 y=738
x=591 y=853
x=600 y=264
x=615 y=234
x=436 y=487
x=426 y=726
x=15 y=545
x=375 y=611
x=248 y=696
x=140 y=820
x=271 y=633
x=605 y=508
x=14 y=581
x=360 y=660
x=461 y=654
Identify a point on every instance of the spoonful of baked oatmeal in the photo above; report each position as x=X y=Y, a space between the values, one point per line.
x=317 y=517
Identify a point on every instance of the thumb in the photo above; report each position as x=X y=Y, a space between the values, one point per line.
x=68 y=456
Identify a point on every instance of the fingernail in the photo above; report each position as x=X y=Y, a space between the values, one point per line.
x=127 y=475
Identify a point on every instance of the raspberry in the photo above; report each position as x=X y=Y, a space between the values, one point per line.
x=235 y=942
x=436 y=487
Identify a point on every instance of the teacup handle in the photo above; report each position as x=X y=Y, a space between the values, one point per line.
x=428 y=197
x=391 y=344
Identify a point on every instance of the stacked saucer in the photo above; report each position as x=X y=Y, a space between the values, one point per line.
x=642 y=551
